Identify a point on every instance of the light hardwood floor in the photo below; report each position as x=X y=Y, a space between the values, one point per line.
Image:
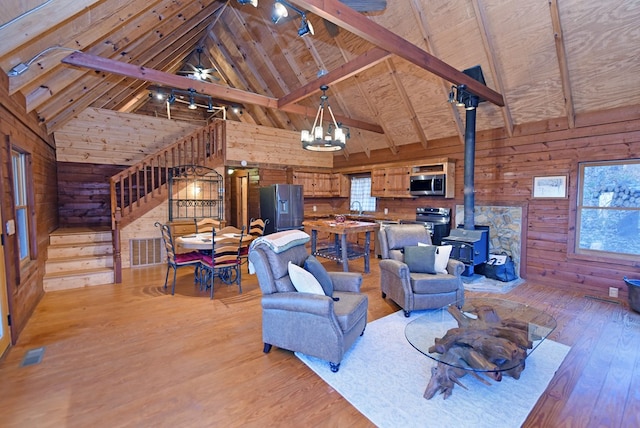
x=133 y=355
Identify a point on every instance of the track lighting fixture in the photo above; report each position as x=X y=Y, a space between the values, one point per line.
x=190 y=97
x=280 y=11
x=253 y=3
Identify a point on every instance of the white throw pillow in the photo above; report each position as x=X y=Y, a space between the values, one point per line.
x=304 y=281
x=442 y=257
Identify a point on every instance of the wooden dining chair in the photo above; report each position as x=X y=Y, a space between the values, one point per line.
x=224 y=261
x=207 y=225
x=256 y=229
x=177 y=260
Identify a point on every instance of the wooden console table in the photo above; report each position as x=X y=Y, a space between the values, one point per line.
x=340 y=250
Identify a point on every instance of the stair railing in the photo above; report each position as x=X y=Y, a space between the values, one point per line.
x=144 y=185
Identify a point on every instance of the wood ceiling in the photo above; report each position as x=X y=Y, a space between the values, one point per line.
x=389 y=72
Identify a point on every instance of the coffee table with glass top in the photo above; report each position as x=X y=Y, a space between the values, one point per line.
x=486 y=336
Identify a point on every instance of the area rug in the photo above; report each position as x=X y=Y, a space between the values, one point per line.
x=384 y=377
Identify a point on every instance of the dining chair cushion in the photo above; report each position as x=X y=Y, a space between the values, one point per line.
x=313 y=265
x=186 y=258
x=304 y=281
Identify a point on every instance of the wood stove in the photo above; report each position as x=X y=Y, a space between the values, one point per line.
x=471 y=247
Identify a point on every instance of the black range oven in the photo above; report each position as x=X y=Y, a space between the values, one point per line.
x=436 y=220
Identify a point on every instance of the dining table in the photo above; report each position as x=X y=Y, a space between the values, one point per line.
x=202 y=241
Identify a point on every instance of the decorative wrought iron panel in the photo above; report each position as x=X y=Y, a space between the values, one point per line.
x=195 y=192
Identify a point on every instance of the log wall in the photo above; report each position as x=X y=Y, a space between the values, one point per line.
x=504 y=171
x=84 y=196
x=24 y=283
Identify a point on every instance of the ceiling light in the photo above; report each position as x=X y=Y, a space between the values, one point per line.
x=279 y=12
x=316 y=140
x=192 y=99
x=305 y=27
x=253 y=3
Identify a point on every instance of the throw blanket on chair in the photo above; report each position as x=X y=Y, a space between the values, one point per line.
x=279 y=242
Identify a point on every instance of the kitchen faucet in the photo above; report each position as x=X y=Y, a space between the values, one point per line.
x=359 y=206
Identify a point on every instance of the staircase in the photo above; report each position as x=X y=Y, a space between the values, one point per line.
x=79 y=257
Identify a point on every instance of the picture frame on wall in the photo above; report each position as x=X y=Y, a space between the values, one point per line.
x=554 y=187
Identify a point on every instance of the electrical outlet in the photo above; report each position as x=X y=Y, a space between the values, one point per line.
x=613 y=292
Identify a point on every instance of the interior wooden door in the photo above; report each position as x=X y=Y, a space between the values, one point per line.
x=5 y=332
x=241 y=197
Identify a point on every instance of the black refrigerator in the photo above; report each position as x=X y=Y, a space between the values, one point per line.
x=283 y=205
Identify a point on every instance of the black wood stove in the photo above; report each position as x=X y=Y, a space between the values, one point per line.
x=471 y=247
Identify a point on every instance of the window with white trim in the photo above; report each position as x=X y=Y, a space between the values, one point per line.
x=21 y=197
x=361 y=199
x=608 y=208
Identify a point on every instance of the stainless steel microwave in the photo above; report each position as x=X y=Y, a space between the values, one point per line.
x=427 y=185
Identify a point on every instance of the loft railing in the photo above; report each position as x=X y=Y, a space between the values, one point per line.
x=144 y=185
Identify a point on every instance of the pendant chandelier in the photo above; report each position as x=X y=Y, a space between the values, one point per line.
x=317 y=140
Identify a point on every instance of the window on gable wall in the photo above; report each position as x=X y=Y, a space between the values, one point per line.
x=361 y=199
x=21 y=187
x=609 y=208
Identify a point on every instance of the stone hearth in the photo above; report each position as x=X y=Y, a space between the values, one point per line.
x=505 y=228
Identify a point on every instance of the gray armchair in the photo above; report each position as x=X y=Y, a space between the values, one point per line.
x=411 y=290
x=317 y=325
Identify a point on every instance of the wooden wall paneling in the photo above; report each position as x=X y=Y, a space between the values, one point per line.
x=25 y=283
x=116 y=138
x=262 y=145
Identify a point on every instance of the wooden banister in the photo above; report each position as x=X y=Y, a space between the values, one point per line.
x=144 y=185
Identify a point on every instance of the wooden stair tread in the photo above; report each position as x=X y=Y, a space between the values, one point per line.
x=80 y=230
x=79 y=272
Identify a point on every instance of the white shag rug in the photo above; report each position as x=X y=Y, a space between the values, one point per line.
x=384 y=377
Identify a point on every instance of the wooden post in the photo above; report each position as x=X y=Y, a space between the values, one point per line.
x=115 y=237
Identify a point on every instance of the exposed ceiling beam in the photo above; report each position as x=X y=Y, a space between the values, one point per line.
x=93 y=62
x=489 y=49
x=345 y=71
x=562 y=62
x=360 y=25
x=421 y=22
x=400 y=89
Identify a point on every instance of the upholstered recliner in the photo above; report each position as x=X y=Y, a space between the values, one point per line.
x=412 y=290
x=319 y=325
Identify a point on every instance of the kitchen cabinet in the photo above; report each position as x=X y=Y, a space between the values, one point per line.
x=340 y=185
x=322 y=184
x=391 y=182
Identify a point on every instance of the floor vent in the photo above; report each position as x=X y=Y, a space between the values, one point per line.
x=602 y=299
x=33 y=356
x=145 y=252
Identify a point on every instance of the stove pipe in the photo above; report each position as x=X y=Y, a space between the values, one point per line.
x=469 y=168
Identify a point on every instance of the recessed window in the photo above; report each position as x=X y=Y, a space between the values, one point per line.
x=609 y=208
x=361 y=199
x=21 y=188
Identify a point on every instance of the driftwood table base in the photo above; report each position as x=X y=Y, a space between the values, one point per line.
x=484 y=345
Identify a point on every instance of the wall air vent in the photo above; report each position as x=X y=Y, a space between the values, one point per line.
x=145 y=252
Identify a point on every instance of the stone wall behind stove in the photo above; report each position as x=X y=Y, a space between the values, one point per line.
x=505 y=228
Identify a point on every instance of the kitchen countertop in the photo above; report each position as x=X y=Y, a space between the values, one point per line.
x=365 y=217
